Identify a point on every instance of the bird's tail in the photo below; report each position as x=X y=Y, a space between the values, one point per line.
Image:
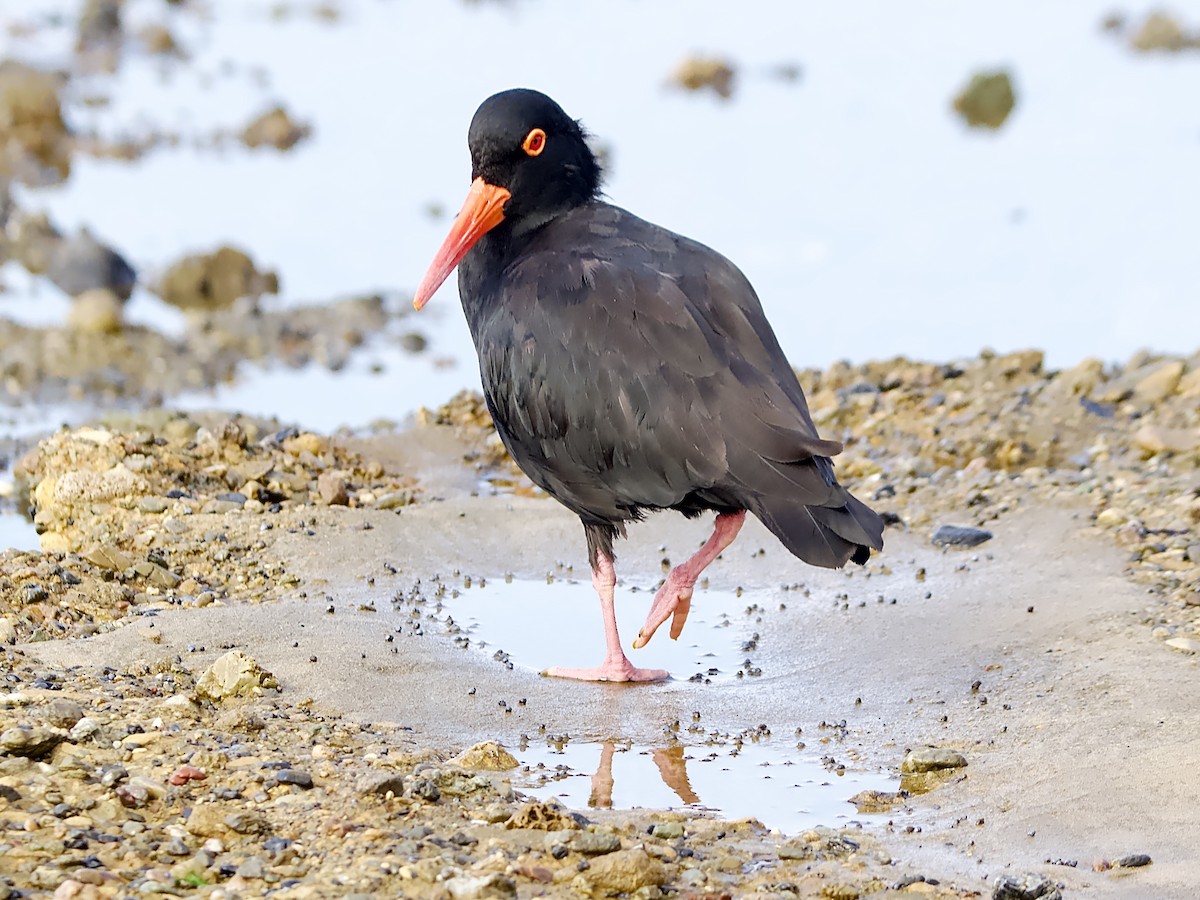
x=830 y=535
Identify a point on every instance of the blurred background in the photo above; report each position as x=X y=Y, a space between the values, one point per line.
x=266 y=182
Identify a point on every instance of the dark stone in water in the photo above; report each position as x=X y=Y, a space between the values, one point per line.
x=960 y=536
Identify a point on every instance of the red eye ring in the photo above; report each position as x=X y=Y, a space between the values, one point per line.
x=534 y=143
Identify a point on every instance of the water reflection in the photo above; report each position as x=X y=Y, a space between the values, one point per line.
x=780 y=785
x=671 y=765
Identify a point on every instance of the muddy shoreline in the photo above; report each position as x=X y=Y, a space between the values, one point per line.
x=172 y=539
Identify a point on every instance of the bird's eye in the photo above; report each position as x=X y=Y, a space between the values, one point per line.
x=534 y=143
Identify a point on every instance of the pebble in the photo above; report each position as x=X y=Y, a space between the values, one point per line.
x=593 y=843
x=960 y=536
x=294 y=777
x=668 y=831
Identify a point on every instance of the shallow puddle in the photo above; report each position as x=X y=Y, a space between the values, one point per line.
x=781 y=786
x=556 y=622
x=17 y=533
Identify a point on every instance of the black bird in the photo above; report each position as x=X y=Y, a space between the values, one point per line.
x=629 y=369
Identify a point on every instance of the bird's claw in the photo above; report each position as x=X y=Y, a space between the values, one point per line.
x=673 y=601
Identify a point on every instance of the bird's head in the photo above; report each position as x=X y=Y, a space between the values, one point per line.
x=529 y=162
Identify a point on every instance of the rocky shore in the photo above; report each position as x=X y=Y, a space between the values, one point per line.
x=164 y=774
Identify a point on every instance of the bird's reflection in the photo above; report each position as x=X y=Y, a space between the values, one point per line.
x=671 y=765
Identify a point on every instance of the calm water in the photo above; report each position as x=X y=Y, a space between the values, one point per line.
x=872 y=222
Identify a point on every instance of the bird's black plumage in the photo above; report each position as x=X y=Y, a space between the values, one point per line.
x=630 y=369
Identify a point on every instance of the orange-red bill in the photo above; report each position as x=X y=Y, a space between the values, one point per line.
x=482 y=212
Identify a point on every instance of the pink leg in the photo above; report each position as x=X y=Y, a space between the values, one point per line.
x=616 y=666
x=674 y=599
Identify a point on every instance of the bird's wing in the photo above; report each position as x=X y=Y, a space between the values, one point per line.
x=629 y=361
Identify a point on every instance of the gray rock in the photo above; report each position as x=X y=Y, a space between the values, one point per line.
x=383 y=782
x=63 y=713
x=294 y=776
x=668 y=831
x=1132 y=861
x=81 y=263
x=1026 y=887
x=592 y=843
x=252 y=868
x=960 y=536
x=929 y=759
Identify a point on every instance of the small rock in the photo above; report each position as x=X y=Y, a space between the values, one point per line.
x=668 y=831
x=1110 y=518
x=208 y=820
x=1159 y=383
x=1159 y=439
x=29 y=742
x=81 y=264
x=63 y=713
x=1026 y=887
x=274 y=128
x=697 y=73
x=214 y=281
x=960 y=536
x=383 y=783
x=107 y=557
x=480 y=887
x=294 y=776
x=234 y=675
x=987 y=99
x=929 y=759
x=184 y=774
x=1132 y=861
x=486 y=756
x=332 y=489
x=875 y=801
x=593 y=843
x=1160 y=32
x=626 y=871
x=8 y=630
x=1185 y=645
x=542 y=816
x=252 y=868
x=96 y=311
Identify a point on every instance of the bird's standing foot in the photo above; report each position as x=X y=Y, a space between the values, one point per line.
x=612 y=670
x=674 y=599
x=616 y=666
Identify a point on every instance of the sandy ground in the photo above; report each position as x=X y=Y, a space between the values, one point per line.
x=1080 y=735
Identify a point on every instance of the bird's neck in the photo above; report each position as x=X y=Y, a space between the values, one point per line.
x=480 y=270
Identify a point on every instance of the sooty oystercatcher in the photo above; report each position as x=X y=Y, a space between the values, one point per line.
x=629 y=369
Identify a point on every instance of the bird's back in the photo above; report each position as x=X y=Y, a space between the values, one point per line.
x=628 y=368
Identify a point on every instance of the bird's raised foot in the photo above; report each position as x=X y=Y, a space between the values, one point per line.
x=673 y=601
x=620 y=670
